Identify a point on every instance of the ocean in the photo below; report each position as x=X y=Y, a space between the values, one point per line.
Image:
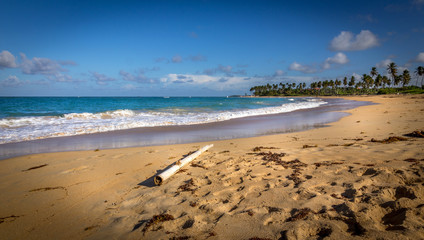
x=31 y=125
x=31 y=118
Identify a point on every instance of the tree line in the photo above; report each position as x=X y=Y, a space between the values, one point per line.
x=372 y=83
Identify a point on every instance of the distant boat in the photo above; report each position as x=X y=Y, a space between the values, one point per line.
x=165 y=97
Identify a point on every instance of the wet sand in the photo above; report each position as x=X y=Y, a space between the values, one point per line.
x=341 y=181
x=152 y=136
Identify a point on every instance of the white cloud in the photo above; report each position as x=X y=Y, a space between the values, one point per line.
x=420 y=57
x=101 y=79
x=211 y=82
x=357 y=77
x=140 y=77
x=346 y=41
x=227 y=70
x=129 y=87
x=198 y=58
x=177 y=59
x=58 y=77
x=7 y=60
x=278 y=73
x=384 y=63
x=43 y=66
x=302 y=68
x=11 y=81
x=339 y=58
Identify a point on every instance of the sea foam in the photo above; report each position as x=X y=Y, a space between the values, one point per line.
x=39 y=127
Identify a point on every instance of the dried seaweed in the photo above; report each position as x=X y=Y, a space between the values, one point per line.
x=309 y=146
x=187 y=187
x=299 y=214
x=389 y=140
x=180 y=238
x=32 y=168
x=413 y=160
x=273 y=209
x=295 y=177
x=258 y=149
x=326 y=163
x=416 y=134
x=157 y=219
x=269 y=156
x=198 y=165
x=47 y=189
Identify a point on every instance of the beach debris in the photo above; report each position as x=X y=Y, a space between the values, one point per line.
x=159 y=179
x=271 y=157
x=198 y=165
x=258 y=149
x=47 y=189
x=180 y=238
x=309 y=146
x=416 y=134
x=187 y=187
x=326 y=163
x=157 y=219
x=11 y=218
x=389 y=140
x=299 y=214
x=36 y=167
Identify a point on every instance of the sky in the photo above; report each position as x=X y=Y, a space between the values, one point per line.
x=199 y=48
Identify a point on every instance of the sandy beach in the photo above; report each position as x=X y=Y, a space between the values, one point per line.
x=360 y=177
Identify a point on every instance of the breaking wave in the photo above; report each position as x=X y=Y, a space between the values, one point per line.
x=39 y=127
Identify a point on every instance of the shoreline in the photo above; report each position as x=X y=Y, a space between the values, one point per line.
x=245 y=127
x=326 y=182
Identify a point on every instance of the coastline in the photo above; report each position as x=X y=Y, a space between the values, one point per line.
x=333 y=182
x=250 y=126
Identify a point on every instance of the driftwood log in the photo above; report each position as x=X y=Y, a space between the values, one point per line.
x=159 y=179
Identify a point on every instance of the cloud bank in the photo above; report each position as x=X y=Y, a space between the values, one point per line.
x=346 y=41
x=7 y=60
x=337 y=60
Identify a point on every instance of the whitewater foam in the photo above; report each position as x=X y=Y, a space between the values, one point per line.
x=31 y=128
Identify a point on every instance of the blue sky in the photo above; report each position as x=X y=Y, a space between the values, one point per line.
x=198 y=48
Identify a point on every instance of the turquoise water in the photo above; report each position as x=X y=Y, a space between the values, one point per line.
x=29 y=118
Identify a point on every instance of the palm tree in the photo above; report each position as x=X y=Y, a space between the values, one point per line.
x=373 y=72
x=406 y=77
x=352 y=81
x=378 y=81
x=419 y=72
x=392 y=69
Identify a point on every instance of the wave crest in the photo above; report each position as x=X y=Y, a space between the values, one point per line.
x=31 y=128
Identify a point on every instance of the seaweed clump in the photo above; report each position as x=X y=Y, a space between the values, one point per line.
x=299 y=214
x=416 y=134
x=188 y=186
x=389 y=140
x=157 y=219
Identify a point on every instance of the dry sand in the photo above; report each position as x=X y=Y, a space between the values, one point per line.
x=332 y=182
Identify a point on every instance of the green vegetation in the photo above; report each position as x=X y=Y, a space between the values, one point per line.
x=368 y=84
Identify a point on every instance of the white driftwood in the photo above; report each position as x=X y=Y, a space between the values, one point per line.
x=159 y=179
